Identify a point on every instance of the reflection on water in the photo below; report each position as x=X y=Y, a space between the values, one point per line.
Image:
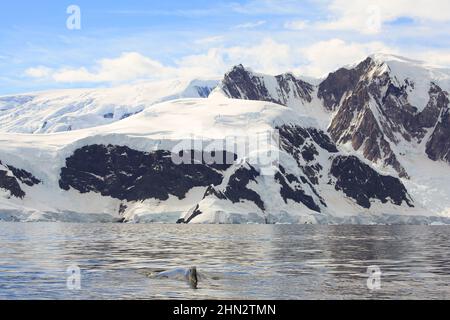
x=234 y=262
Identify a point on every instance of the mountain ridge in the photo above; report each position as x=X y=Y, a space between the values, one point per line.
x=74 y=109
x=368 y=104
x=362 y=146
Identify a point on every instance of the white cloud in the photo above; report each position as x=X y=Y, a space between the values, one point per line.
x=368 y=16
x=268 y=56
x=38 y=72
x=210 y=64
x=129 y=66
x=326 y=56
x=250 y=25
x=296 y=25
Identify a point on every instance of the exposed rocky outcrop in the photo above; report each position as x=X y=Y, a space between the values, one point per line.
x=241 y=83
x=355 y=122
x=356 y=179
x=375 y=111
x=303 y=145
x=338 y=83
x=428 y=118
x=235 y=191
x=362 y=183
x=10 y=184
x=126 y=174
x=322 y=139
x=438 y=147
x=292 y=189
x=312 y=149
x=11 y=178
x=24 y=176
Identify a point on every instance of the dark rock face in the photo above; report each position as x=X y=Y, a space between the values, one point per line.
x=364 y=133
x=240 y=83
x=300 y=143
x=333 y=88
x=126 y=174
x=237 y=190
x=323 y=140
x=291 y=188
x=360 y=182
x=304 y=146
x=375 y=112
x=290 y=86
x=438 y=147
x=438 y=103
x=11 y=182
x=24 y=176
x=403 y=118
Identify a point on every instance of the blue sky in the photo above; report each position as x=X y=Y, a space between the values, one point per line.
x=126 y=41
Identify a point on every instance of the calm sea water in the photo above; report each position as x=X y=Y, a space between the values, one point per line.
x=234 y=262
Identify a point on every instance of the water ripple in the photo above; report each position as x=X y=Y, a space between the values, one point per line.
x=234 y=262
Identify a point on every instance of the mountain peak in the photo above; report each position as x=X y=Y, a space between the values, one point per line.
x=386 y=58
x=238 y=67
x=285 y=89
x=413 y=71
x=411 y=66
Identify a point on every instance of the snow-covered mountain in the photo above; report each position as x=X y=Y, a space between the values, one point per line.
x=393 y=107
x=284 y=89
x=367 y=144
x=385 y=107
x=67 y=110
x=126 y=171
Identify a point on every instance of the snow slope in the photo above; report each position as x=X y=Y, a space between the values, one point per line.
x=163 y=127
x=405 y=70
x=66 y=110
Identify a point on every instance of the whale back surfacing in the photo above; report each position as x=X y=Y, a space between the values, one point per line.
x=190 y=275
